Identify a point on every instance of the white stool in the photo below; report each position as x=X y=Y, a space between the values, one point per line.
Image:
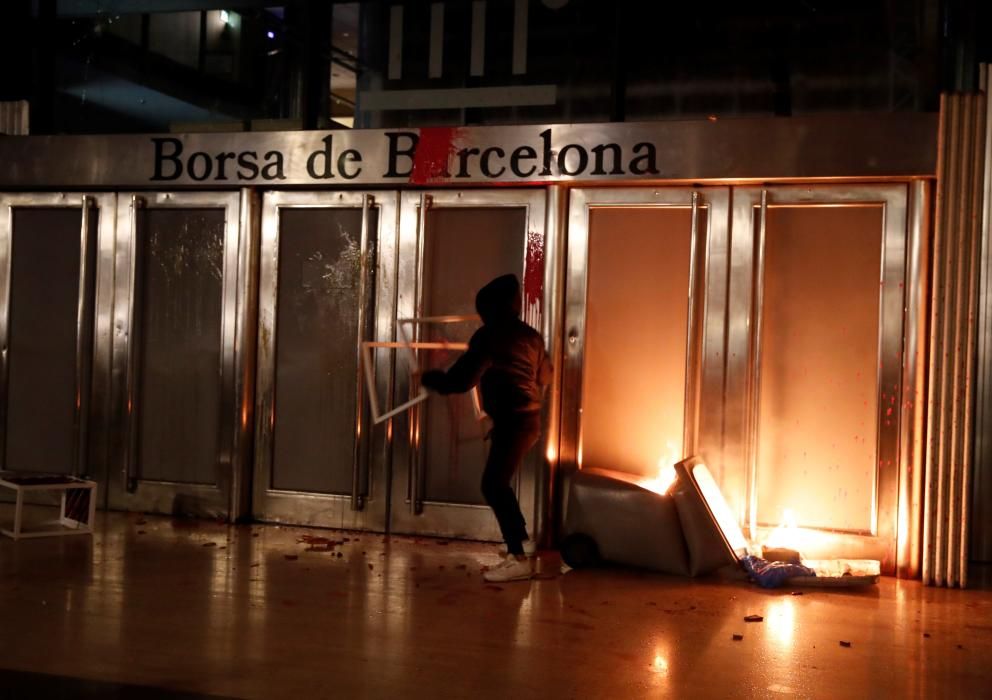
x=76 y=514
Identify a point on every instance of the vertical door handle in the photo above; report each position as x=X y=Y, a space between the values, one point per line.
x=416 y=473
x=691 y=358
x=130 y=484
x=758 y=301
x=357 y=497
x=79 y=437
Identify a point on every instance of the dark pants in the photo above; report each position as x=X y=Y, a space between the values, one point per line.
x=512 y=436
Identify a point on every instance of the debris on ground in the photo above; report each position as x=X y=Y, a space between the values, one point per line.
x=796 y=593
x=737 y=637
x=926 y=635
x=845 y=644
x=785 y=554
x=209 y=544
x=142 y=532
x=292 y=557
x=753 y=618
x=772 y=574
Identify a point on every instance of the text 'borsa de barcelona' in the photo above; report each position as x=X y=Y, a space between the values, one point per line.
x=397 y=159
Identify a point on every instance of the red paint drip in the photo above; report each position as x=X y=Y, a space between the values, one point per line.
x=432 y=158
x=534 y=279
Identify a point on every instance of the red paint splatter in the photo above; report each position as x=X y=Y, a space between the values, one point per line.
x=432 y=158
x=534 y=279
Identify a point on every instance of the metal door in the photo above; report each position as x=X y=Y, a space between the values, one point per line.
x=645 y=310
x=181 y=312
x=55 y=250
x=815 y=375
x=326 y=284
x=451 y=243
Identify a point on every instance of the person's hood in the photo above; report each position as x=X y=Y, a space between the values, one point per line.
x=499 y=300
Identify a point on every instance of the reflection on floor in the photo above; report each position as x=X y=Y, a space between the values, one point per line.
x=260 y=612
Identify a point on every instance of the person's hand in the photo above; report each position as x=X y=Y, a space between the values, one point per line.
x=432 y=379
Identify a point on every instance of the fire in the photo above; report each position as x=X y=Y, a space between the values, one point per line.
x=666 y=471
x=788 y=534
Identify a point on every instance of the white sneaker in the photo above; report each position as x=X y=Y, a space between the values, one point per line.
x=510 y=569
x=530 y=549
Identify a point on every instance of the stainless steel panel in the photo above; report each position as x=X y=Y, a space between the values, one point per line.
x=549 y=488
x=447 y=517
x=455 y=267
x=819 y=354
x=177 y=344
x=639 y=228
x=635 y=369
x=981 y=496
x=828 y=146
x=319 y=251
x=52 y=416
x=167 y=488
x=246 y=317
x=84 y=334
x=366 y=287
x=969 y=314
x=743 y=380
x=911 y=431
x=953 y=337
x=317 y=323
x=42 y=430
x=943 y=259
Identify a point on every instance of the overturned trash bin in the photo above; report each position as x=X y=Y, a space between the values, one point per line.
x=713 y=537
x=610 y=517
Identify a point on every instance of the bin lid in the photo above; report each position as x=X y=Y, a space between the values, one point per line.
x=712 y=533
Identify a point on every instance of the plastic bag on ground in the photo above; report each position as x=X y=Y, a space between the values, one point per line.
x=771 y=574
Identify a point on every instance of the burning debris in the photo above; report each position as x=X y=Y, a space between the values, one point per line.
x=683 y=505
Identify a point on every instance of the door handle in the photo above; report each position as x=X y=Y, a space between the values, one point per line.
x=357 y=497
x=416 y=473
x=130 y=484
x=82 y=306
x=757 y=309
x=691 y=358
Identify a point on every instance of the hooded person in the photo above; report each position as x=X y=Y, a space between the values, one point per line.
x=507 y=360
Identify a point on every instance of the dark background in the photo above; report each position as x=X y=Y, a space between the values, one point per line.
x=104 y=66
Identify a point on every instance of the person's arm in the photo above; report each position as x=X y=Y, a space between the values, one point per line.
x=464 y=374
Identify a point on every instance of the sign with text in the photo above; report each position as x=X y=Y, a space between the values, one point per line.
x=798 y=147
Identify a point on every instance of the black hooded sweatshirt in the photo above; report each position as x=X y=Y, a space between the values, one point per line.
x=505 y=356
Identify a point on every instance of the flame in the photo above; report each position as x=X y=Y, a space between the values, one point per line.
x=789 y=534
x=666 y=471
x=660 y=663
